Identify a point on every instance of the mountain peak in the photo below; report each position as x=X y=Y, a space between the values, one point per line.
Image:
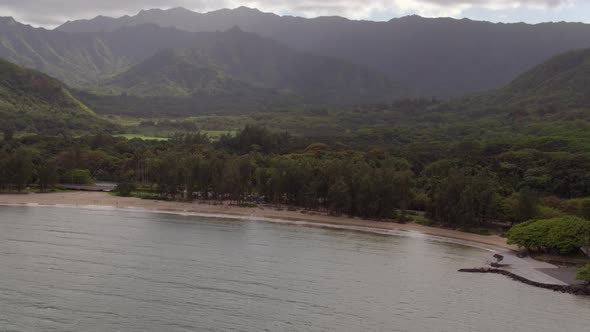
x=179 y=10
x=8 y=20
x=408 y=18
x=235 y=30
x=245 y=9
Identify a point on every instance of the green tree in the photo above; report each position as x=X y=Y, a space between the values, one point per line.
x=77 y=176
x=586 y=209
x=48 y=176
x=8 y=131
x=527 y=207
x=20 y=168
x=125 y=188
x=584 y=273
x=339 y=197
x=565 y=235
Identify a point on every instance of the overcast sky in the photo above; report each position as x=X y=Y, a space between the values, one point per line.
x=50 y=13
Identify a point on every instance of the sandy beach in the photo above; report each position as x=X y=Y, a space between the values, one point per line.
x=107 y=200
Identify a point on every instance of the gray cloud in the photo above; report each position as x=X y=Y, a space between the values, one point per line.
x=52 y=12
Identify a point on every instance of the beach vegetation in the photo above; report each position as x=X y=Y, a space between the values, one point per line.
x=584 y=273
x=562 y=235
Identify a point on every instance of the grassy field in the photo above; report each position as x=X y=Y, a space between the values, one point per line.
x=142 y=137
x=215 y=134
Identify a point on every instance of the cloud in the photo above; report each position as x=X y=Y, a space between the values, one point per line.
x=53 y=12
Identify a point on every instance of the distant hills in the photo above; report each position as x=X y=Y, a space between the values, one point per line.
x=558 y=89
x=36 y=103
x=148 y=60
x=442 y=56
x=563 y=83
x=236 y=61
x=163 y=62
x=83 y=59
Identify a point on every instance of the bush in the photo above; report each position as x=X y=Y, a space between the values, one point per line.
x=553 y=201
x=547 y=212
x=585 y=213
x=564 y=234
x=125 y=188
x=478 y=230
x=248 y=205
x=77 y=176
x=150 y=196
x=584 y=274
x=579 y=207
x=424 y=221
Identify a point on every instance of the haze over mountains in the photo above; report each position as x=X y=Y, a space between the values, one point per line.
x=442 y=57
x=218 y=62
x=556 y=89
x=181 y=62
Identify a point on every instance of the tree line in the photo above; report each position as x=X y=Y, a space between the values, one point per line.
x=466 y=187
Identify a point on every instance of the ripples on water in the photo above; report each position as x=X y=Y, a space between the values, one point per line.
x=102 y=270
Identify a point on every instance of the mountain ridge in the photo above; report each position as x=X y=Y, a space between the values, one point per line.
x=240 y=63
x=432 y=57
x=31 y=101
x=560 y=85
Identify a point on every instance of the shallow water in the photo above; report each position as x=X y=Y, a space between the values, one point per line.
x=110 y=270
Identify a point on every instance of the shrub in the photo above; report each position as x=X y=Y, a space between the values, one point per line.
x=547 y=212
x=584 y=273
x=572 y=206
x=564 y=234
x=553 y=201
x=77 y=176
x=248 y=205
x=478 y=230
x=585 y=213
x=125 y=188
x=424 y=221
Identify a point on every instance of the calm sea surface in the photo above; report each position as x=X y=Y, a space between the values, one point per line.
x=106 y=270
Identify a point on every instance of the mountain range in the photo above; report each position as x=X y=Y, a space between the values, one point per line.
x=177 y=62
x=233 y=60
x=148 y=60
x=440 y=56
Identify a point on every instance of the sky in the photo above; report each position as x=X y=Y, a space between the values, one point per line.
x=50 y=13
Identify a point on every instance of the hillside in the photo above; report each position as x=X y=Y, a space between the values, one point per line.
x=442 y=56
x=561 y=83
x=36 y=103
x=558 y=88
x=238 y=62
x=83 y=59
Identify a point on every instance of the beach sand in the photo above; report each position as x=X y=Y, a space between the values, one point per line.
x=107 y=200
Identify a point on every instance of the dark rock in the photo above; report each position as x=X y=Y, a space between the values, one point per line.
x=570 y=289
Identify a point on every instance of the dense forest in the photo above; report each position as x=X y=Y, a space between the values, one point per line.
x=467 y=187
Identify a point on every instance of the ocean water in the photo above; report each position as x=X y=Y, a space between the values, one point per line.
x=110 y=270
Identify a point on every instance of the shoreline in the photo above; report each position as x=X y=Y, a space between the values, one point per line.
x=99 y=199
x=527 y=267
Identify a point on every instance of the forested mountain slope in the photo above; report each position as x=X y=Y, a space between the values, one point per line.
x=562 y=83
x=556 y=89
x=235 y=61
x=83 y=59
x=36 y=103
